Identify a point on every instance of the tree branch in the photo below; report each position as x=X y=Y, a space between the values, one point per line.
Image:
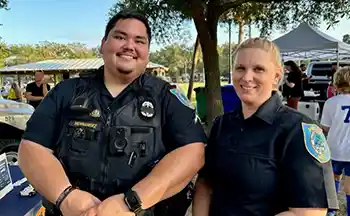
x=226 y=5
x=199 y=16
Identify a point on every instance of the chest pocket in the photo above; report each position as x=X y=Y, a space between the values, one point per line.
x=80 y=147
x=138 y=155
x=242 y=167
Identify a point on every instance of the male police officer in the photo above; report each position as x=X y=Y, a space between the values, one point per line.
x=116 y=142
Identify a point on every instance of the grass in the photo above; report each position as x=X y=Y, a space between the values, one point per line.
x=184 y=89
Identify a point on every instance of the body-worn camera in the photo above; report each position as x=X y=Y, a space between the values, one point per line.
x=118 y=140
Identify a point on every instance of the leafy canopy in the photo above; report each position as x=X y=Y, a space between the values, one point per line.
x=168 y=17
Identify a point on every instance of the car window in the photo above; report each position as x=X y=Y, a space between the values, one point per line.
x=321 y=69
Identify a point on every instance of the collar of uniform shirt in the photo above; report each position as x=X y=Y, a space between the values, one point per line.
x=267 y=110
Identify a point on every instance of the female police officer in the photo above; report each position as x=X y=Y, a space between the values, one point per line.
x=264 y=158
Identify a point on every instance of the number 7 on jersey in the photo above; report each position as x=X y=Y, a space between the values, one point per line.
x=347 y=117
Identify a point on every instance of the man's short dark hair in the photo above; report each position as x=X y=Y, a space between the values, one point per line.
x=65 y=75
x=128 y=14
x=303 y=65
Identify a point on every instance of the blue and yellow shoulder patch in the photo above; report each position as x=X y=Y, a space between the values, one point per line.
x=182 y=98
x=315 y=142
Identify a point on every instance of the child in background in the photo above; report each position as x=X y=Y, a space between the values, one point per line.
x=335 y=122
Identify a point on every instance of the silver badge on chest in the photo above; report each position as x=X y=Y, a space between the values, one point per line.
x=147 y=109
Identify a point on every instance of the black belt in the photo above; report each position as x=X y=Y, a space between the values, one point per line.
x=100 y=190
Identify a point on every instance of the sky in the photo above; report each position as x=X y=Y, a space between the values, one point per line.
x=64 y=21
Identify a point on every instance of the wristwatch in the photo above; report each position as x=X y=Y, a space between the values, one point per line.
x=133 y=201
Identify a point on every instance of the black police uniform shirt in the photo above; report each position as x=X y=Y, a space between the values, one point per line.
x=274 y=160
x=180 y=123
x=36 y=91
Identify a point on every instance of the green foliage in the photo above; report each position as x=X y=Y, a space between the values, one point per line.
x=24 y=53
x=177 y=56
x=168 y=19
x=3 y=4
x=286 y=14
x=245 y=13
x=167 y=16
x=346 y=38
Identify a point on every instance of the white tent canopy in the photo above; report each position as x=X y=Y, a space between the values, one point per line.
x=307 y=42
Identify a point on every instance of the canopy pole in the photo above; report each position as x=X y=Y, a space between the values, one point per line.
x=337 y=57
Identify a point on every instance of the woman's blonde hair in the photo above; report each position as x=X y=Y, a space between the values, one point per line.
x=266 y=45
x=341 y=80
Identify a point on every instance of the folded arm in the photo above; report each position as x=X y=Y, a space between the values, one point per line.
x=30 y=97
x=304 y=212
x=42 y=169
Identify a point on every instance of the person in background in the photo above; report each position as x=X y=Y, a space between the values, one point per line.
x=294 y=83
x=15 y=93
x=304 y=77
x=37 y=90
x=336 y=122
x=65 y=75
x=331 y=72
x=330 y=75
x=4 y=92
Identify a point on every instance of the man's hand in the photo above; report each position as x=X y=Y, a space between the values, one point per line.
x=79 y=203
x=114 y=206
x=45 y=80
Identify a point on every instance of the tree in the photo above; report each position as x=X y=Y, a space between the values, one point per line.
x=206 y=15
x=171 y=13
x=24 y=53
x=245 y=14
x=177 y=57
x=3 y=5
x=346 y=38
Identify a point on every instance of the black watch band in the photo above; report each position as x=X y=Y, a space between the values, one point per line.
x=133 y=201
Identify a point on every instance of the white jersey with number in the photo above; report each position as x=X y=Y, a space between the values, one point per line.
x=336 y=116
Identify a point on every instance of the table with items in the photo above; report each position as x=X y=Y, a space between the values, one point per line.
x=21 y=200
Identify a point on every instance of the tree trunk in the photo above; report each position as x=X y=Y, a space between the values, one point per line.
x=206 y=25
x=229 y=52
x=194 y=66
x=250 y=30
x=240 y=32
x=212 y=80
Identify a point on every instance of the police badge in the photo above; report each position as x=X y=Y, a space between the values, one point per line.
x=147 y=109
x=95 y=113
x=315 y=142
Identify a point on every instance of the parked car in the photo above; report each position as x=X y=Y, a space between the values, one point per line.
x=13 y=118
x=319 y=80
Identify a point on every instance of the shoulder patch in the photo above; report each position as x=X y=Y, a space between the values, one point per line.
x=315 y=142
x=182 y=98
